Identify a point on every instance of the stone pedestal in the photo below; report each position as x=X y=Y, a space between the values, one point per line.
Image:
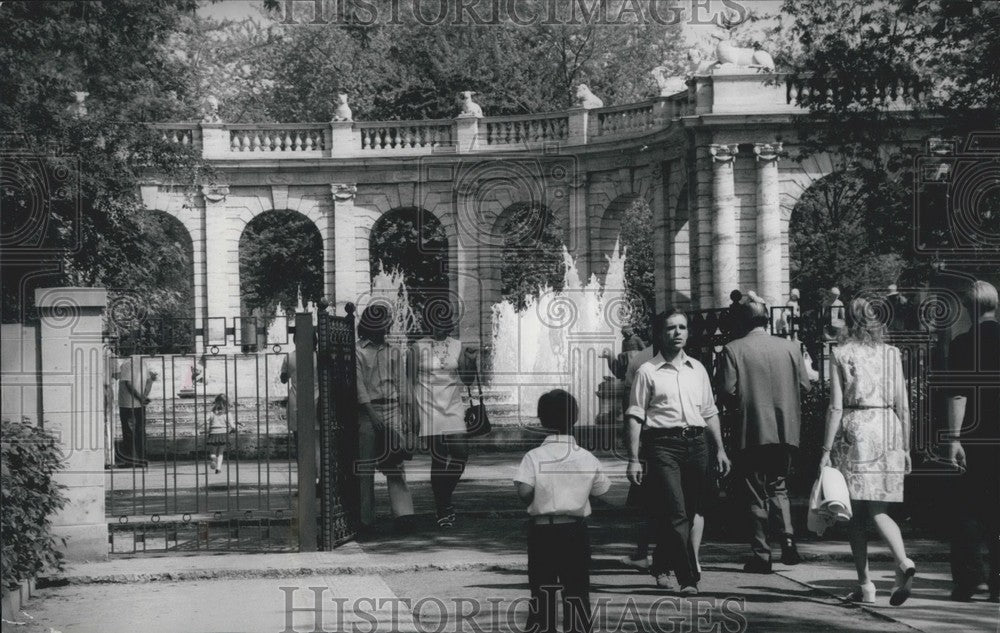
x=72 y=379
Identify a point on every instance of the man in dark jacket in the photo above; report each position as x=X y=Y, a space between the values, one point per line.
x=760 y=375
x=974 y=421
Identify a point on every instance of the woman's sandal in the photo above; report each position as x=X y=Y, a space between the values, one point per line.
x=904 y=583
x=447 y=518
x=864 y=594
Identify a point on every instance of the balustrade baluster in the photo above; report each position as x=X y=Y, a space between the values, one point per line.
x=309 y=141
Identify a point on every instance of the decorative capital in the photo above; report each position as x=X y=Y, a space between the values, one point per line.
x=723 y=153
x=343 y=192
x=767 y=152
x=215 y=193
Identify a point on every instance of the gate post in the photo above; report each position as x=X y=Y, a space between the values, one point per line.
x=306 y=423
x=72 y=379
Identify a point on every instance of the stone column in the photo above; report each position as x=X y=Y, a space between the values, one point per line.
x=345 y=265
x=768 y=222
x=219 y=268
x=725 y=251
x=72 y=382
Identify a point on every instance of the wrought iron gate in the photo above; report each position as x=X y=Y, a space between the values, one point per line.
x=338 y=424
x=162 y=493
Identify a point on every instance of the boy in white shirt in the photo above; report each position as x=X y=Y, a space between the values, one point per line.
x=556 y=480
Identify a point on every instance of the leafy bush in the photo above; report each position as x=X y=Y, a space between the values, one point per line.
x=29 y=457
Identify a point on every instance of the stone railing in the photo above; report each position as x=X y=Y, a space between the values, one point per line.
x=394 y=136
x=306 y=138
x=733 y=93
x=625 y=119
x=525 y=130
x=809 y=90
x=181 y=133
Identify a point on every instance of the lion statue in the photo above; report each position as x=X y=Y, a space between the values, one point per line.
x=668 y=84
x=587 y=99
x=343 y=111
x=469 y=107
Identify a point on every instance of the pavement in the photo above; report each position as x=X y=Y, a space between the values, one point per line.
x=474 y=578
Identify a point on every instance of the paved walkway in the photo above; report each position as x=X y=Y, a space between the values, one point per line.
x=482 y=562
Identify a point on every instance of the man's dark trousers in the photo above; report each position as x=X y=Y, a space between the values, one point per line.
x=677 y=468
x=133 y=434
x=978 y=519
x=764 y=470
x=559 y=558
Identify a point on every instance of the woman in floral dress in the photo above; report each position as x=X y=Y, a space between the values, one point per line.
x=867 y=438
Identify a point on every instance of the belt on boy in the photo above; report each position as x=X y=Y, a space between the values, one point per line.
x=555 y=519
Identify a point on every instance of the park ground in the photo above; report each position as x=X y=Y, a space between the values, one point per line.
x=473 y=578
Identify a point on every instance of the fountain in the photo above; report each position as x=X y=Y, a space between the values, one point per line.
x=557 y=339
x=390 y=288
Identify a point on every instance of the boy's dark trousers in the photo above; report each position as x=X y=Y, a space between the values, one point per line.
x=559 y=559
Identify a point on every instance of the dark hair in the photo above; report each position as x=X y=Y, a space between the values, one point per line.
x=660 y=320
x=221 y=404
x=735 y=296
x=753 y=314
x=375 y=321
x=558 y=410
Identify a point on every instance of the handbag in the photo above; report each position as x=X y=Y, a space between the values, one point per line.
x=477 y=422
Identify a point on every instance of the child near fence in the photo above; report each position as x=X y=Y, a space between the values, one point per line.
x=219 y=428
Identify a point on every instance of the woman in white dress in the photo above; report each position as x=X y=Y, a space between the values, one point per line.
x=867 y=440
x=440 y=368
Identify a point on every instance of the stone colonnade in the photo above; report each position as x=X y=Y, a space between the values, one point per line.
x=725 y=225
x=720 y=217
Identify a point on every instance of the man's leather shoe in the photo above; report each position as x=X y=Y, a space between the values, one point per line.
x=789 y=553
x=962 y=594
x=757 y=566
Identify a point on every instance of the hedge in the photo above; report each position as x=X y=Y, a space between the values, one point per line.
x=29 y=456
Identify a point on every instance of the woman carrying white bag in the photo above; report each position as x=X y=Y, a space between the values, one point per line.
x=867 y=440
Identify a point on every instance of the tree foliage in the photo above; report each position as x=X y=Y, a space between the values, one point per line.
x=281 y=254
x=72 y=213
x=414 y=242
x=857 y=230
x=405 y=68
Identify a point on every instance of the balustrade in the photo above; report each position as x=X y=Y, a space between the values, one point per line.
x=384 y=135
x=630 y=119
x=525 y=130
x=181 y=134
x=809 y=90
x=255 y=138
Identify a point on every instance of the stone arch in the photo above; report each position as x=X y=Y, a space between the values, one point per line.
x=433 y=252
x=246 y=204
x=828 y=221
x=180 y=319
x=797 y=176
x=607 y=231
x=309 y=256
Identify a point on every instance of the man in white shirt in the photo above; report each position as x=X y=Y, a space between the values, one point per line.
x=135 y=381
x=671 y=406
x=556 y=480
